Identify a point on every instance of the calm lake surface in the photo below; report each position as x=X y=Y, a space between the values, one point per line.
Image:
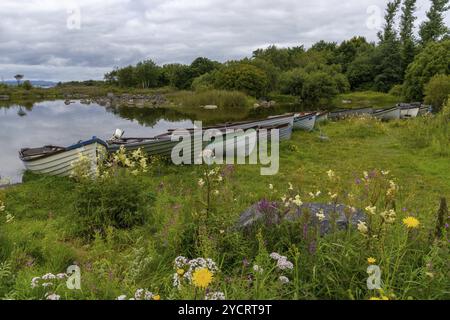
x=58 y=124
x=55 y=123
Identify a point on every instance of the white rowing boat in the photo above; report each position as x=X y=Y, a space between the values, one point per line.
x=305 y=121
x=387 y=114
x=58 y=161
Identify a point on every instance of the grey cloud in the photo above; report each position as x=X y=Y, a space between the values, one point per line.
x=35 y=40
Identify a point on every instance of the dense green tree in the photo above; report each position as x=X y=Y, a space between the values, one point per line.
x=243 y=77
x=361 y=72
x=126 y=78
x=27 y=85
x=387 y=55
x=434 y=28
x=292 y=81
x=282 y=58
x=437 y=91
x=203 y=65
x=434 y=59
x=348 y=50
x=407 y=40
x=147 y=74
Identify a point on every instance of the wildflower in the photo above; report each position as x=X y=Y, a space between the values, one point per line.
x=258 y=269
x=271 y=186
x=215 y=296
x=283 y=279
x=290 y=186
x=201 y=182
x=371 y=210
x=219 y=178
x=216 y=192
x=283 y=198
x=61 y=275
x=318 y=193
x=312 y=195
x=384 y=173
x=381 y=298
x=392 y=188
x=122 y=297
x=284 y=263
x=157 y=297
x=275 y=255
x=2 y=206
x=371 y=260
x=48 y=276
x=297 y=201
x=389 y=216
x=53 y=296
x=332 y=195
x=320 y=216
x=180 y=261
x=35 y=282
x=411 y=222
x=202 y=278
x=366 y=175
x=9 y=218
x=330 y=174
x=362 y=227
x=47 y=284
x=180 y=272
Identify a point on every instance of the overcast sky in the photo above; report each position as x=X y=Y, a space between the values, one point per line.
x=80 y=40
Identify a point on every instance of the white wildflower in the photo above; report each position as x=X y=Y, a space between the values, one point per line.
x=122 y=297
x=258 y=269
x=53 y=296
x=283 y=279
x=275 y=255
x=371 y=210
x=320 y=215
x=362 y=227
x=201 y=182
x=215 y=296
x=297 y=201
x=35 y=282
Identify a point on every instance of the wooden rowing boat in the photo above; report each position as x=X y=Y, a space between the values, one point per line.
x=305 y=121
x=345 y=113
x=388 y=114
x=58 y=161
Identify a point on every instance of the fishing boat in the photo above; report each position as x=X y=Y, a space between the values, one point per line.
x=305 y=121
x=58 y=161
x=321 y=116
x=408 y=110
x=423 y=109
x=388 y=114
x=345 y=113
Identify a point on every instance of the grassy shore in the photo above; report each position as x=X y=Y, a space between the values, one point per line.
x=151 y=218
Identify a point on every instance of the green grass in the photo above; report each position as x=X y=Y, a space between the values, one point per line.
x=42 y=237
x=366 y=99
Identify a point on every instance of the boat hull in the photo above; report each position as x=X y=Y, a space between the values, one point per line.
x=389 y=114
x=321 y=117
x=61 y=164
x=406 y=113
x=305 y=122
x=342 y=114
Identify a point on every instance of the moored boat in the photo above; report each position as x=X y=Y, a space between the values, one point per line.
x=423 y=109
x=408 y=110
x=387 y=114
x=321 y=116
x=305 y=121
x=345 y=113
x=58 y=161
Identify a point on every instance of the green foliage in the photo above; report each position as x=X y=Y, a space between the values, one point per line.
x=220 y=98
x=407 y=40
x=120 y=201
x=437 y=91
x=434 y=29
x=396 y=91
x=27 y=85
x=243 y=77
x=431 y=61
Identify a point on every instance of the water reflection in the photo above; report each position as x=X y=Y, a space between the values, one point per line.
x=55 y=123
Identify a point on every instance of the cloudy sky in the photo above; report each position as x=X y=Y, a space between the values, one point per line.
x=79 y=40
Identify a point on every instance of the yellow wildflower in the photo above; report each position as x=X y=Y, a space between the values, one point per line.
x=202 y=278
x=411 y=222
x=371 y=260
x=180 y=272
x=157 y=297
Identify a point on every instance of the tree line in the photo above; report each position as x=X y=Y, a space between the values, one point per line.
x=398 y=62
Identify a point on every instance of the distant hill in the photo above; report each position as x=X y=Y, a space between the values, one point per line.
x=35 y=83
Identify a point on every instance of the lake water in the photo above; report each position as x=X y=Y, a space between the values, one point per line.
x=55 y=123
x=58 y=124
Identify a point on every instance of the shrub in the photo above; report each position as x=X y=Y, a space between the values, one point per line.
x=243 y=77
x=437 y=91
x=119 y=201
x=396 y=91
x=431 y=61
x=27 y=85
